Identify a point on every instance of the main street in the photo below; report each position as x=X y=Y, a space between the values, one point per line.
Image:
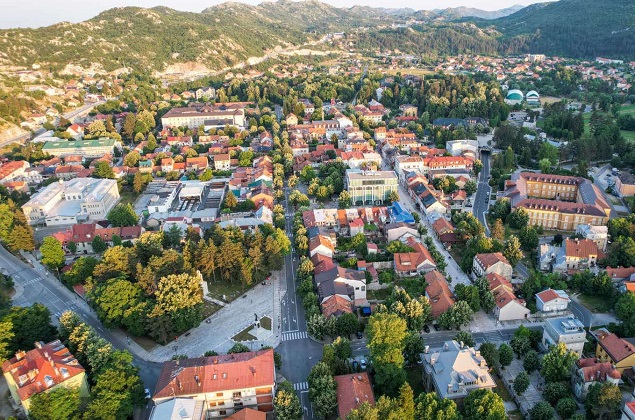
x=484 y=191
x=299 y=353
x=39 y=286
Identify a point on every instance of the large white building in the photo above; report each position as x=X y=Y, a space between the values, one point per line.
x=209 y=116
x=76 y=201
x=370 y=187
x=87 y=148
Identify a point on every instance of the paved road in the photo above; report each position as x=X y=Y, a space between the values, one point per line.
x=299 y=353
x=39 y=286
x=483 y=193
x=581 y=312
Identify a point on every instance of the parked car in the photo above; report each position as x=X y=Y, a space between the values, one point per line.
x=147 y=393
x=362 y=364
x=426 y=328
x=360 y=334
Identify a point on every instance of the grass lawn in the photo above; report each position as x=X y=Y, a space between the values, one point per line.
x=501 y=389
x=628 y=135
x=127 y=196
x=265 y=322
x=415 y=379
x=144 y=342
x=381 y=294
x=414 y=72
x=628 y=109
x=209 y=308
x=244 y=335
x=219 y=288
x=597 y=304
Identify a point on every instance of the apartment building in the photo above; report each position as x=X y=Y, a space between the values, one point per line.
x=370 y=187
x=567 y=330
x=209 y=116
x=224 y=384
x=86 y=148
x=68 y=202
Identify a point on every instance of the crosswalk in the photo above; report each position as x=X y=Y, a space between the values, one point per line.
x=71 y=307
x=301 y=386
x=31 y=281
x=298 y=335
x=490 y=337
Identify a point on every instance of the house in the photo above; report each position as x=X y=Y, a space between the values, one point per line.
x=620 y=274
x=409 y=264
x=587 y=372
x=336 y=305
x=356 y=226
x=291 y=119
x=46 y=368
x=178 y=408
x=146 y=166
x=442 y=226
x=625 y=184
x=248 y=414
x=618 y=351
x=438 y=293
x=552 y=300
x=321 y=245
x=196 y=163
x=508 y=306
x=455 y=370
x=598 y=234
x=13 y=171
x=580 y=254
x=628 y=412
x=167 y=165
x=321 y=263
x=225 y=383
x=338 y=279
x=400 y=232
x=399 y=214
x=353 y=390
x=567 y=330
x=493 y=262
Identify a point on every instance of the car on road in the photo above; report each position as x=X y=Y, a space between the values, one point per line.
x=355 y=365
x=360 y=334
x=362 y=364
x=426 y=328
x=147 y=393
x=436 y=327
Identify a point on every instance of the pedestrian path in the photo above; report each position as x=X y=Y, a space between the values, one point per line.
x=32 y=281
x=298 y=335
x=301 y=386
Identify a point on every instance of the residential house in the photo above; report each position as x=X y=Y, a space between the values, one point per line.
x=336 y=305
x=321 y=245
x=597 y=234
x=198 y=163
x=340 y=278
x=590 y=371
x=628 y=411
x=400 y=232
x=167 y=165
x=508 y=306
x=409 y=264
x=442 y=226
x=618 y=351
x=13 y=171
x=579 y=255
x=356 y=226
x=48 y=367
x=567 y=330
x=353 y=390
x=179 y=408
x=146 y=166
x=225 y=383
x=322 y=263
x=438 y=293
x=551 y=300
x=493 y=262
x=625 y=184
x=455 y=370
x=621 y=274
x=398 y=213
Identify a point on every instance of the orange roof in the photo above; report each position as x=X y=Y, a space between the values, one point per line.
x=321 y=263
x=581 y=248
x=408 y=261
x=202 y=375
x=336 y=305
x=248 y=414
x=630 y=286
x=223 y=156
x=318 y=240
x=617 y=348
x=548 y=295
x=503 y=296
x=10 y=167
x=620 y=272
x=489 y=259
x=41 y=368
x=594 y=371
x=352 y=391
x=438 y=292
x=497 y=281
x=442 y=226
x=178 y=165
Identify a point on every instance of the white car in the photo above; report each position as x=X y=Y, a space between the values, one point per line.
x=147 y=393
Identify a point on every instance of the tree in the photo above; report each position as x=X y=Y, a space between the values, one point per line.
x=342 y=348
x=52 y=252
x=532 y=361
x=521 y=383
x=470 y=187
x=413 y=347
x=393 y=196
x=122 y=215
x=322 y=390
x=483 y=404
x=389 y=378
x=347 y=324
x=529 y=239
x=518 y=219
x=287 y=404
x=466 y=338
x=457 y=315
x=505 y=355
x=344 y=200
x=152 y=142
x=80 y=271
x=544 y=165
x=498 y=230
x=363 y=412
x=230 y=201
x=566 y=407
x=386 y=333
x=603 y=400
x=238 y=348
x=541 y=411
x=469 y=294
x=490 y=354
x=98 y=245
x=103 y=170
x=59 y=404
x=512 y=250
x=21 y=238
x=556 y=365
x=72 y=247
x=521 y=345
x=29 y=324
x=555 y=391
x=131 y=159
x=431 y=406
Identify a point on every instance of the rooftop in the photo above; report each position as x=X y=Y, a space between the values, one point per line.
x=352 y=391
x=617 y=348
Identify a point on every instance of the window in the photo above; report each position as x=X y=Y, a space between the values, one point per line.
x=219 y=394
x=237 y=394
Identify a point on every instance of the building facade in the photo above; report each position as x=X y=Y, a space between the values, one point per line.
x=209 y=116
x=371 y=187
x=567 y=330
x=86 y=148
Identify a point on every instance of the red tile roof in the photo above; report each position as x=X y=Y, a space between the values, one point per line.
x=336 y=305
x=248 y=414
x=321 y=263
x=41 y=368
x=617 y=348
x=10 y=167
x=620 y=272
x=497 y=281
x=581 y=248
x=215 y=374
x=547 y=295
x=438 y=293
x=594 y=371
x=489 y=259
x=352 y=391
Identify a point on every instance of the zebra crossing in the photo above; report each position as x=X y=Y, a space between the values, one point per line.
x=301 y=386
x=298 y=335
x=31 y=281
x=71 y=307
x=490 y=337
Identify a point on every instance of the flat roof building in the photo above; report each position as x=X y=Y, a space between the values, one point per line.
x=87 y=148
x=370 y=187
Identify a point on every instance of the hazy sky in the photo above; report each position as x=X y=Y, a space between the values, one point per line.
x=35 y=13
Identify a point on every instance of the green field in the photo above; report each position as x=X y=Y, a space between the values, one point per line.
x=628 y=135
x=628 y=109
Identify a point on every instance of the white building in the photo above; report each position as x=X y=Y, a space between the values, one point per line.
x=210 y=116
x=459 y=147
x=76 y=201
x=598 y=234
x=552 y=300
x=567 y=330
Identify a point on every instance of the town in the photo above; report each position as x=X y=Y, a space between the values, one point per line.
x=363 y=239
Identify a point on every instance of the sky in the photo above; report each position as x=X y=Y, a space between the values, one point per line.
x=36 y=13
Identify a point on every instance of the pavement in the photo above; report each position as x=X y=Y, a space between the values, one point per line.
x=483 y=192
x=588 y=318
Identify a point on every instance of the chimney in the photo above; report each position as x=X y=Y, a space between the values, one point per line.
x=197 y=379
x=19 y=355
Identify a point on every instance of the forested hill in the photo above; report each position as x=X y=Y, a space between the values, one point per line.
x=220 y=36
x=574 y=28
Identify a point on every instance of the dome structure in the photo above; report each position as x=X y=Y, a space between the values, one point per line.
x=532 y=94
x=515 y=95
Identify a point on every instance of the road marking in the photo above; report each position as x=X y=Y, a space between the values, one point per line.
x=301 y=386
x=290 y=336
